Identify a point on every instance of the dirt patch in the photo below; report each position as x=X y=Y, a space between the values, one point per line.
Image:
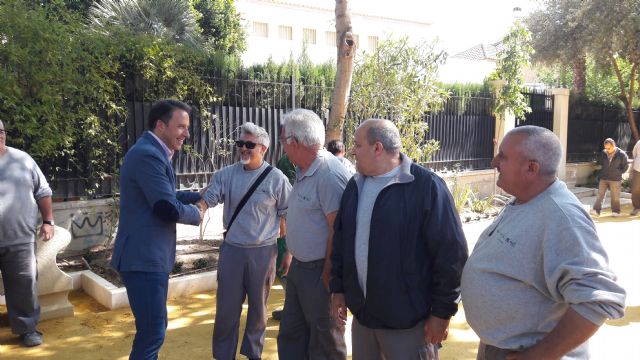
x=192 y=256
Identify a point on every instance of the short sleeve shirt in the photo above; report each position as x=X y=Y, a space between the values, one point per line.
x=316 y=194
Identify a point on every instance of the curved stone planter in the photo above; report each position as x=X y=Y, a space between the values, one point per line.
x=112 y=297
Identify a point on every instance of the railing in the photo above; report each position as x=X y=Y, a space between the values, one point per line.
x=590 y=124
x=465 y=129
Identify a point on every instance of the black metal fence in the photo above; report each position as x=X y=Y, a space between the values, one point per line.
x=212 y=132
x=541 y=104
x=590 y=124
x=465 y=129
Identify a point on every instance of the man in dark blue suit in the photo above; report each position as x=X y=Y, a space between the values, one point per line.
x=150 y=207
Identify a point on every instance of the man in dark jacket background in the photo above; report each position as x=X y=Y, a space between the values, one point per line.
x=614 y=163
x=398 y=251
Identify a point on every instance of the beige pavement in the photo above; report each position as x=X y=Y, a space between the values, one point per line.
x=96 y=333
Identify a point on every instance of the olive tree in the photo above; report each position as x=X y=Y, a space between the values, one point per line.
x=398 y=82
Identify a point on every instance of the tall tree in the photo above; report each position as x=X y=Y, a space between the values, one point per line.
x=614 y=30
x=559 y=37
x=344 y=70
x=608 y=30
x=398 y=81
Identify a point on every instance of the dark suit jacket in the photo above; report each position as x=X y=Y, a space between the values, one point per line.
x=150 y=207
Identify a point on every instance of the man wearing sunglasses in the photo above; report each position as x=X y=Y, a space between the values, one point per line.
x=246 y=267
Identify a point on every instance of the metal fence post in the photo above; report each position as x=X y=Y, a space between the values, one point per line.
x=293 y=90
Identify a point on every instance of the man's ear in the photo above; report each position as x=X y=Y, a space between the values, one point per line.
x=160 y=125
x=534 y=167
x=378 y=147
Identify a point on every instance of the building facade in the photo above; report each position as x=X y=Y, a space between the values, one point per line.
x=281 y=29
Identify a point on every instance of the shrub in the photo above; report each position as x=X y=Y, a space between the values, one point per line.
x=177 y=267
x=200 y=263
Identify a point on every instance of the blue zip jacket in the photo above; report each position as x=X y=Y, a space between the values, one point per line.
x=416 y=251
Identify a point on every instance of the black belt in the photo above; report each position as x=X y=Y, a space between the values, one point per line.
x=309 y=264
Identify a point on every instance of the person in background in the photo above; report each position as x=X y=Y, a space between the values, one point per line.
x=23 y=191
x=337 y=148
x=289 y=170
x=635 y=180
x=537 y=284
x=614 y=163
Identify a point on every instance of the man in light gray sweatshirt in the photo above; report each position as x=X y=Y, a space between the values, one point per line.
x=538 y=284
x=23 y=191
x=246 y=267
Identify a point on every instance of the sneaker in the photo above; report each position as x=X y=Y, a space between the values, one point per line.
x=615 y=214
x=594 y=212
x=634 y=212
x=32 y=339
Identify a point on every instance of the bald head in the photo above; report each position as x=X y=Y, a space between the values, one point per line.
x=384 y=132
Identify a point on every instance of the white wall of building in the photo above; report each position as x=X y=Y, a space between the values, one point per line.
x=318 y=15
x=456 y=24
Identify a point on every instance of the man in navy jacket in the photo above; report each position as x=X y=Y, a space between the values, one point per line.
x=398 y=251
x=150 y=207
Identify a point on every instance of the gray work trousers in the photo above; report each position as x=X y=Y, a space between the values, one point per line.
x=19 y=276
x=384 y=344
x=307 y=330
x=242 y=273
x=614 y=191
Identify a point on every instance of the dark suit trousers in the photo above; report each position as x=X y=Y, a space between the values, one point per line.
x=147 y=292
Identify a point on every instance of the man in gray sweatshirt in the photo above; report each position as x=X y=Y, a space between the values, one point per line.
x=538 y=284
x=23 y=191
x=246 y=267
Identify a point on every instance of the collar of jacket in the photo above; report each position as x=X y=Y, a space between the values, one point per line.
x=403 y=176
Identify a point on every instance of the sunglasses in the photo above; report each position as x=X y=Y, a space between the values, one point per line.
x=248 y=144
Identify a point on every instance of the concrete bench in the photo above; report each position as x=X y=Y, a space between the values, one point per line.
x=53 y=284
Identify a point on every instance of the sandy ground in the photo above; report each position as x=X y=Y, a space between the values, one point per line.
x=96 y=333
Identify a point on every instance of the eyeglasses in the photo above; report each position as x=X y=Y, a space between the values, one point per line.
x=248 y=144
x=284 y=139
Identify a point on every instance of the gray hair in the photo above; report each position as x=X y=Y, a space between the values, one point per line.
x=250 y=128
x=541 y=145
x=384 y=132
x=305 y=126
x=609 y=141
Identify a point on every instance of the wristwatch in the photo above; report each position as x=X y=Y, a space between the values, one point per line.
x=49 y=222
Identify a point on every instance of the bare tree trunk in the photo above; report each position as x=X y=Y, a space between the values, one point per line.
x=579 y=74
x=627 y=99
x=346 y=47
